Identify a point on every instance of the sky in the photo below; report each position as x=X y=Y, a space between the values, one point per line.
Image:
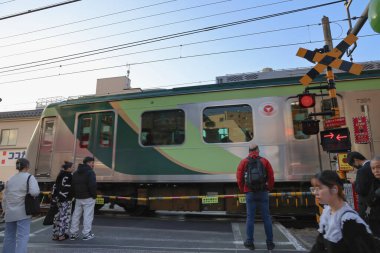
x=44 y=54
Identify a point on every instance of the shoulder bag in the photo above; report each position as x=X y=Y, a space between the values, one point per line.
x=32 y=204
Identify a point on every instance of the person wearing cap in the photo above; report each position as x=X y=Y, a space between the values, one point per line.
x=84 y=188
x=364 y=178
x=256 y=198
x=17 y=222
x=341 y=229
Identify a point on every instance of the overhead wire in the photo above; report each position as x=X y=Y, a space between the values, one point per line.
x=136 y=30
x=88 y=19
x=179 y=58
x=171 y=59
x=114 y=23
x=156 y=39
x=7 y=1
x=164 y=48
x=39 y=9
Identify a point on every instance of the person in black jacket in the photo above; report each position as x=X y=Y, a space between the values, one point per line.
x=84 y=188
x=374 y=198
x=364 y=178
x=341 y=230
x=62 y=197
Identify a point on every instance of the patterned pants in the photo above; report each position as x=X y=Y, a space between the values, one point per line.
x=62 y=219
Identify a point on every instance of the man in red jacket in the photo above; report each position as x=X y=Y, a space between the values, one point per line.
x=257 y=197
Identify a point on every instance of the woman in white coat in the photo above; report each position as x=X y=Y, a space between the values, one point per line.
x=17 y=223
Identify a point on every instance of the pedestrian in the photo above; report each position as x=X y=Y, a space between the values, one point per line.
x=17 y=223
x=62 y=197
x=374 y=198
x=364 y=178
x=84 y=188
x=255 y=178
x=341 y=229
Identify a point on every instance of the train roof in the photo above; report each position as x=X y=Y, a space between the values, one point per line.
x=273 y=82
x=21 y=114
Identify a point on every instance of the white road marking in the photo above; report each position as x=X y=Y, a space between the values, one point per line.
x=238 y=239
x=290 y=237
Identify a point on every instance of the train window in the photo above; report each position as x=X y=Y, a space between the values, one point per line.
x=8 y=137
x=298 y=115
x=227 y=124
x=106 y=126
x=162 y=128
x=85 y=132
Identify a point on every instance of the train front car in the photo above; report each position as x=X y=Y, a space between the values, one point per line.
x=164 y=149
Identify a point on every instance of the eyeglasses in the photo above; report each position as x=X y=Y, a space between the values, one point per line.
x=314 y=189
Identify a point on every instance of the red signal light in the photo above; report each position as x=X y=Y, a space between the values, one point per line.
x=306 y=100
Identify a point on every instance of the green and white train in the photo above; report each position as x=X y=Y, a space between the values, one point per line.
x=188 y=141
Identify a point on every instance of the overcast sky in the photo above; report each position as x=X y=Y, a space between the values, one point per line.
x=64 y=34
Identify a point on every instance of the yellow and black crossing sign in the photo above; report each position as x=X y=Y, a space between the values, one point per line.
x=330 y=59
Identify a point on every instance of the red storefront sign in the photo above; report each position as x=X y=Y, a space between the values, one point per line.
x=361 y=130
x=334 y=123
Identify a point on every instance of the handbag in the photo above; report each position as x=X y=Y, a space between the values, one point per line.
x=32 y=204
x=49 y=218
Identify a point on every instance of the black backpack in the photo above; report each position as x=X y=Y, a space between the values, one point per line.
x=255 y=175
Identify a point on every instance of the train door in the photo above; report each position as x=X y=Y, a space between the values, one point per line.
x=46 y=146
x=304 y=150
x=95 y=137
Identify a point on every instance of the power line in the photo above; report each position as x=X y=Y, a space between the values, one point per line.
x=114 y=23
x=7 y=1
x=132 y=31
x=157 y=39
x=173 y=58
x=88 y=19
x=164 y=48
x=39 y=9
x=176 y=58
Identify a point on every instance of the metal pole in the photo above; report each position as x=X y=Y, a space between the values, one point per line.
x=329 y=72
x=363 y=18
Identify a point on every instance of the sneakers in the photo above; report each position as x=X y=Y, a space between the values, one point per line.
x=74 y=237
x=270 y=245
x=89 y=236
x=249 y=245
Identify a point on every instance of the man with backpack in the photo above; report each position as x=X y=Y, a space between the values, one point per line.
x=255 y=178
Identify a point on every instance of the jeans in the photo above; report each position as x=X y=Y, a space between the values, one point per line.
x=87 y=207
x=16 y=236
x=260 y=199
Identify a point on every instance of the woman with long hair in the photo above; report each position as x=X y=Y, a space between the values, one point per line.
x=340 y=227
x=62 y=196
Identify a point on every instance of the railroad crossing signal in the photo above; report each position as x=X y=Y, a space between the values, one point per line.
x=336 y=140
x=329 y=59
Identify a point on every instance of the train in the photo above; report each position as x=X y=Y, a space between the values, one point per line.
x=188 y=141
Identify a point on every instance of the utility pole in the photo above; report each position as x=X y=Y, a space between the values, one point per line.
x=329 y=73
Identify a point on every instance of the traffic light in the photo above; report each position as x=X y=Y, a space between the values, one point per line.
x=310 y=126
x=374 y=15
x=306 y=100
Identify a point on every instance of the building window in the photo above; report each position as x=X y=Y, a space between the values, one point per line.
x=236 y=126
x=8 y=137
x=298 y=115
x=162 y=128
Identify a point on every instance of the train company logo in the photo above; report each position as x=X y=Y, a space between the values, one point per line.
x=268 y=109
